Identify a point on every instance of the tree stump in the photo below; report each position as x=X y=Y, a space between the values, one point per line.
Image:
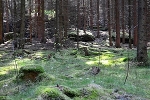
x=30 y=73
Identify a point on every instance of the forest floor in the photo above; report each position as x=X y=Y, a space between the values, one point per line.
x=68 y=74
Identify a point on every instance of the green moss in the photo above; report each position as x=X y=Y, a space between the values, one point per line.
x=29 y=72
x=45 y=76
x=124 y=59
x=87 y=93
x=2 y=97
x=70 y=92
x=51 y=93
x=33 y=68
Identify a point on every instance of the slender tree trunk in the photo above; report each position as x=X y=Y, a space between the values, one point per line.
x=135 y=25
x=42 y=22
x=117 y=24
x=61 y=22
x=91 y=14
x=22 y=28
x=84 y=17
x=98 y=20
x=1 y=21
x=123 y=22
x=104 y=13
x=7 y=17
x=30 y=9
x=129 y=23
x=78 y=22
x=113 y=12
x=109 y=26
x=57 y=27
x=15 y=18
x=65 y=18
x=142 y=34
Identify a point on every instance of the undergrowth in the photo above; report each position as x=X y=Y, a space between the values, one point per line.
x=71 y=68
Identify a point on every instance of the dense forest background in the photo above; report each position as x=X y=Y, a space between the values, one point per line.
x=41 y=19
x=98 y=40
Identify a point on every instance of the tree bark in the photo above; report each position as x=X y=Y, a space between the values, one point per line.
x=109 y=26
x=22 y=28
x=98 y=21
x=117 y=24
x=7 y=17
x=30 y=10
x=135 y=25
x=57 y=27
x=91 y=14
x=142 y=34
x=104 y=13
x=42 y=22
x=129 y=23
x=78 y=22
x=123 y=22
x=1 y=21
x=65 y=18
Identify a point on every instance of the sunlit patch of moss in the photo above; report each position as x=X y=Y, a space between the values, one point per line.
x=123 y=59
x=5 y=70
x=90 y=62
x=39 y=53
x=106 y=62
x=23 y=62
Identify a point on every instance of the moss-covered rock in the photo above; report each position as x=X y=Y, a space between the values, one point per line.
x=85 y=37
x=68 y=91
x=34 y=68
x=30 y=72
x=51 y=93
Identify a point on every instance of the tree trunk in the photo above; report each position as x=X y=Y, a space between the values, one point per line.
x=117 y=24
x=7 y=17
x=123 y=22
x=98 y=21
x=142 y=34
x=14 y=21
x=135 y=25
x=84 y=17
x=91 y=14
x=65 y=18
x=109 y=26
x=61 y=22
x=30 y=10
x=22 y=28
x=78 y=22
x=104 y=13
x=57 y=27
x=129 y=23
x=1 y=21
x=42 y=22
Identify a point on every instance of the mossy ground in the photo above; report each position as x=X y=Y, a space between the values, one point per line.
x=70 y=68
